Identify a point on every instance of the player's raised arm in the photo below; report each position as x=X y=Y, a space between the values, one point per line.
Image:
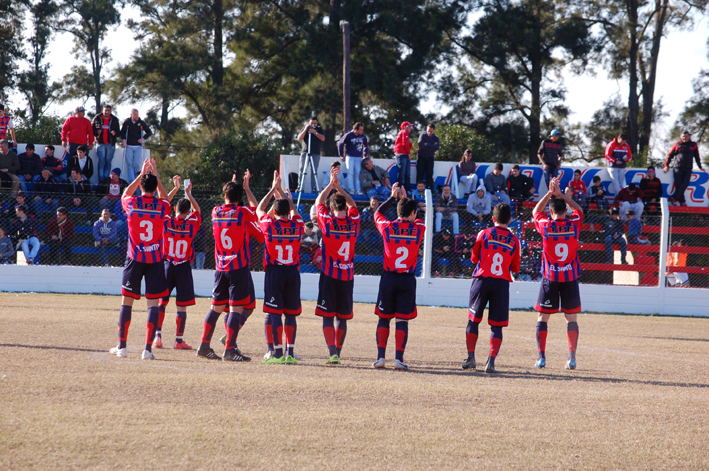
x=569 y=200
x=247 y=189
x=193 y=202
x=322 y=197
x=130 y=189
x=293 y=209
x=263 y=204
x=173 y=192
x=545 y=199
x=384 y=207
x=348 y=199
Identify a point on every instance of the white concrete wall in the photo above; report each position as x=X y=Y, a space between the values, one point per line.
x=434 y=292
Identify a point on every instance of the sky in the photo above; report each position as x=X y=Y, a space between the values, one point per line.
x=682 y=56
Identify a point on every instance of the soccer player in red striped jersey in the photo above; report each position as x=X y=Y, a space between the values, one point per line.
x=233 y=285
x=146 y=216
x=178 y=254
x=339 y=226
x=397 y=286
x=496 y=255
x=560 y=268
x=282 y=229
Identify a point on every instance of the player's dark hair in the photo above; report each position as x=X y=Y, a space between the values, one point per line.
x=596 y=178
x=148 y=183
x=63 y=210
x=282 y=207
x=233 y=192
x=558 y=206
x=499 y=166
x=338 y=202
x=502 y=213
x=29 y=146
x=183 y=206
x=405 y=207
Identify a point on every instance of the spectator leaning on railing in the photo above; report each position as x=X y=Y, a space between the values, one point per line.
x=374 y=180
x=30 y=168
x=7 y=250
x=105 y=235
x=651 y=186
x=428 y=145
x=630 y=198
x=106 y=129
x=618 y=154
x=77 y=131
x=59 y=233
x=24 y=234
x=682 y=153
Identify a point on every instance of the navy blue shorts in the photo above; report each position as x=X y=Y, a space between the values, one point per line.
x=335 y=298
x=494 y=291
x=551 y=291
x=235 y=287
x=282 y=290
x=397 y=296
x=154 y=273
x=179 y=278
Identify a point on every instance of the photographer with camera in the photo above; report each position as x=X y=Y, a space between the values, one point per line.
x=311 y=138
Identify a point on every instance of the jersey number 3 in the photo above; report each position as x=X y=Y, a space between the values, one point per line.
x=148 y=234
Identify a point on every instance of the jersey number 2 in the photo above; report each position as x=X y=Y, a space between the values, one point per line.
x=403 y=253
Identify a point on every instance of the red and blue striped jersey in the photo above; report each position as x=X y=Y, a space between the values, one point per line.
x=230 y=225
x=146 y=218
x=338 y=240
x=560 y=260
x=402 y=239
x=177 y=239
x=496 y=254
x=282 y=237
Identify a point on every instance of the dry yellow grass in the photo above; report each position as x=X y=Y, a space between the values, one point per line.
x=640 y=398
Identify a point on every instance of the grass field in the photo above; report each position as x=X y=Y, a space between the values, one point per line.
x=639 y=398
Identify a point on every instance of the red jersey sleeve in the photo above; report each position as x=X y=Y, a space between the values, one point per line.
x=381 y=221
x=577 y=219
x=353 y=212
x=540 y=219
x=252 y=226
x=475 y=254
x=516 y=258
x=125 y=201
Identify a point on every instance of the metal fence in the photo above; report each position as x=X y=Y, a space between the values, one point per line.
x=611 y=250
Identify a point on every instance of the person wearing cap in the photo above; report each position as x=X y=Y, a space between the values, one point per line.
x=402 y=154
x=134 y=132
x=618 y=154
x=428 y=145
x=77 y=131
x=7 y=126
x=352 y=148
x=614 y=230
x=682 y=153
x=550 y=156
x=30 y=168
x=112 y=189
x=106 y=129
x=9 y=166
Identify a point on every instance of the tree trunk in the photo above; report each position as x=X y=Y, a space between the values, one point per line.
x=535 y=113
x=633 y=101
x=648 y=83
x=218 y=62
x=335 y=15
x=164 y=116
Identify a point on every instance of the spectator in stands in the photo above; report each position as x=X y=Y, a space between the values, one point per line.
x=526 y=267
x=597 y=194
x=112 y=189
x=677 y=259
x=613 y=230
x=309 y=240
x=428 y=145
x=578 y=188
x=21 y=201
x=7 y=250
x=121 y=224
x=77 y=132
x=59 y=233
x=630 y=198
x=550 y=155
x=419 y=195
x=83 y=161
x=314 y=135
x=54 y=164
x=443 y=248
x=496 y=185
x=7 y=126
x=47 y=187
x=77 y=187
x=24 y=234
x=480 y=205
x=684 y=151
x=463 y=249
x=134 y=133
x=651 y=186
x=635 y=229
x=520 y=186
x=30 y=168
x=9 y=166
x=352 y=148
x=106 y=129
x=618 y=154
x=105 y=235
x=466 y=174
x=199 y=245
x=446 y=207
x=374 y=180
x=402 y=154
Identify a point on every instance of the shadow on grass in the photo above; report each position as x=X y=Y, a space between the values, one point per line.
x=677 y=338
x=51 y=347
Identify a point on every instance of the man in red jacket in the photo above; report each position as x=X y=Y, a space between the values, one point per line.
x=77 y=131
x=60 y=232
x=402 y=152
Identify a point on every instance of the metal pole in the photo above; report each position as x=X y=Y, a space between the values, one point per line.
x=428 y=237
x=346 y=122
x=664 y=241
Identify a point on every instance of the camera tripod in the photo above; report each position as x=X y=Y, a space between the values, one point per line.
x=301 y=177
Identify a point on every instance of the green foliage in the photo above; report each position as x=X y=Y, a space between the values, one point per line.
x=43 y=130
x=11 y=51
x=695 y=116
x=455 y=139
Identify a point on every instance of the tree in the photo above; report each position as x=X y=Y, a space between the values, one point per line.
x=456 y=139
x=506 y=63
x=695 y=116
x=34 y=82
x=11 y=51
x=88 y=21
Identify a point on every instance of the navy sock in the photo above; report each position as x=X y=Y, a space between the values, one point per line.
x=402 y=336
x=244 y=317
x=180 y=321
x=382 y=337
x=232 y=328
x=328 y=328
x=277 y=330
x=123 y=325
x=153 y=316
